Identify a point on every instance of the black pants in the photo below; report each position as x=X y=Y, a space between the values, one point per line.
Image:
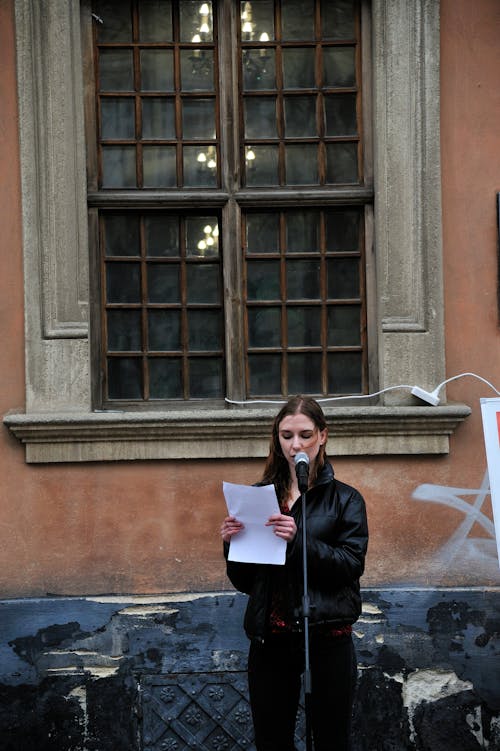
x=274 y=678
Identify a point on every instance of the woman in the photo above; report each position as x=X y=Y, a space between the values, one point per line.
x=337 y=537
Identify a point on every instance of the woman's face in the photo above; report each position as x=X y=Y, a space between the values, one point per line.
x=299 y=433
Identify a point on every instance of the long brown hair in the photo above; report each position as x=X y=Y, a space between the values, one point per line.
x=277 y=470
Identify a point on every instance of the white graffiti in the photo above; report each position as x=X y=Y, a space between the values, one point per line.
x=461 y=548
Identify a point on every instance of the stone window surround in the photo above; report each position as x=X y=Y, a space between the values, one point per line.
x=59 y=423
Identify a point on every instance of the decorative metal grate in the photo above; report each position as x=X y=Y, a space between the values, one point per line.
x=202 y=711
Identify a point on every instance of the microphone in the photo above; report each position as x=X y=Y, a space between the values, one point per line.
x=302 y=470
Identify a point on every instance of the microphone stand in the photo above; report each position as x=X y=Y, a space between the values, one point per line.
x=306 y=610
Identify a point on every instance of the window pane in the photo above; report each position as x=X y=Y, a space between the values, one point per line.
x=261 y=165
x=196 y=20
x=118 y=167
x=257 y=18
x=162 y=235
x=337 y=17
x=155 y=21
x=300 y=117
x=200 y=166
x=116 y=19
x=165 y=378
x=262 y=233
x=163 y=282
x=304 y=327
x=259 y=69
x=263 y=280
x=260 y=117
x=265 y=374
x=123 y=282
x=302 y=231
x=303 y=280
x=156 y=70
x=297 y=20
x=339 y=66
x=304 y=373
x=264 y=327
x=117 y=118
x=298 y=68
x=203 y=283
x=198 y=118
x=343 y=278
x=344 y=326
x=164 y=330
x=159 y=166
x=344 y=373
x=116 y=72
x=197 y=71
x=124 y=378
x=340 y=112
x=124 y=330
x=158 y=118
x=202 y=236
x=342 y=163
x=342 y=230
x=302 y=164
x=205 y=330
x=206 y=378
x=121 y=235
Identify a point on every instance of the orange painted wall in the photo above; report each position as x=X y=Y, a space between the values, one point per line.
x=149 y=527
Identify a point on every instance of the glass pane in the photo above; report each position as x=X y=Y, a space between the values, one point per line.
x=257 y=21
x=344 y=326
x=117 y=118
x=304 y=327
x=118 y=167
x=304 y=373
x=264 y=327
x=165 y=378
x=262 y=233
x=116 y=71
x=197 y=70
x=337 y=19
x=340 y=114
x=302 y=232
x=205 y=378
x=123 y=282
x=298 y=68
x=121 y=235
x=344 y=373
x=263 y=280
x=342 y=230
x=205 y=330
x=163 y=283
x=124 y=330
x=155 y=21
x=303 y=280
x=198 y=118
x=200 y=166
x=343 y=279
x=300 y=117
x=259 y=69
x=124 y=378
x=116 y=19
x=265 y=375
x=339 y=66
x=159 y=166
x=260 y=117
x=297 y=20
x=157 y=70
x=302 y=164
x=162 y=235
x=203 y=283
x=202 y=236
x=261 y=165
x=158 y=118
x=164 y=330
x=196 y=20
x=342 y=163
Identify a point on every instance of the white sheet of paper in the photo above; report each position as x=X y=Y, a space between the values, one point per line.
x=253 y=506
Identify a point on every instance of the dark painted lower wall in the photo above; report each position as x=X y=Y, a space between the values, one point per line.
x=166 y=674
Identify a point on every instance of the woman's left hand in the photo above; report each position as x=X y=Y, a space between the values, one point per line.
x=284 y=526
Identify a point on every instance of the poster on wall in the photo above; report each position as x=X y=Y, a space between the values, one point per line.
x=490 y=410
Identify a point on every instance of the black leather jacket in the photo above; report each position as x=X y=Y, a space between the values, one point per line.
x=337 y=538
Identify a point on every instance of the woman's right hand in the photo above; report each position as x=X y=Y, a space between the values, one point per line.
x=229 y=527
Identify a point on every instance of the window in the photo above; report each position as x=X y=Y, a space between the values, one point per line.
x=228 y=295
